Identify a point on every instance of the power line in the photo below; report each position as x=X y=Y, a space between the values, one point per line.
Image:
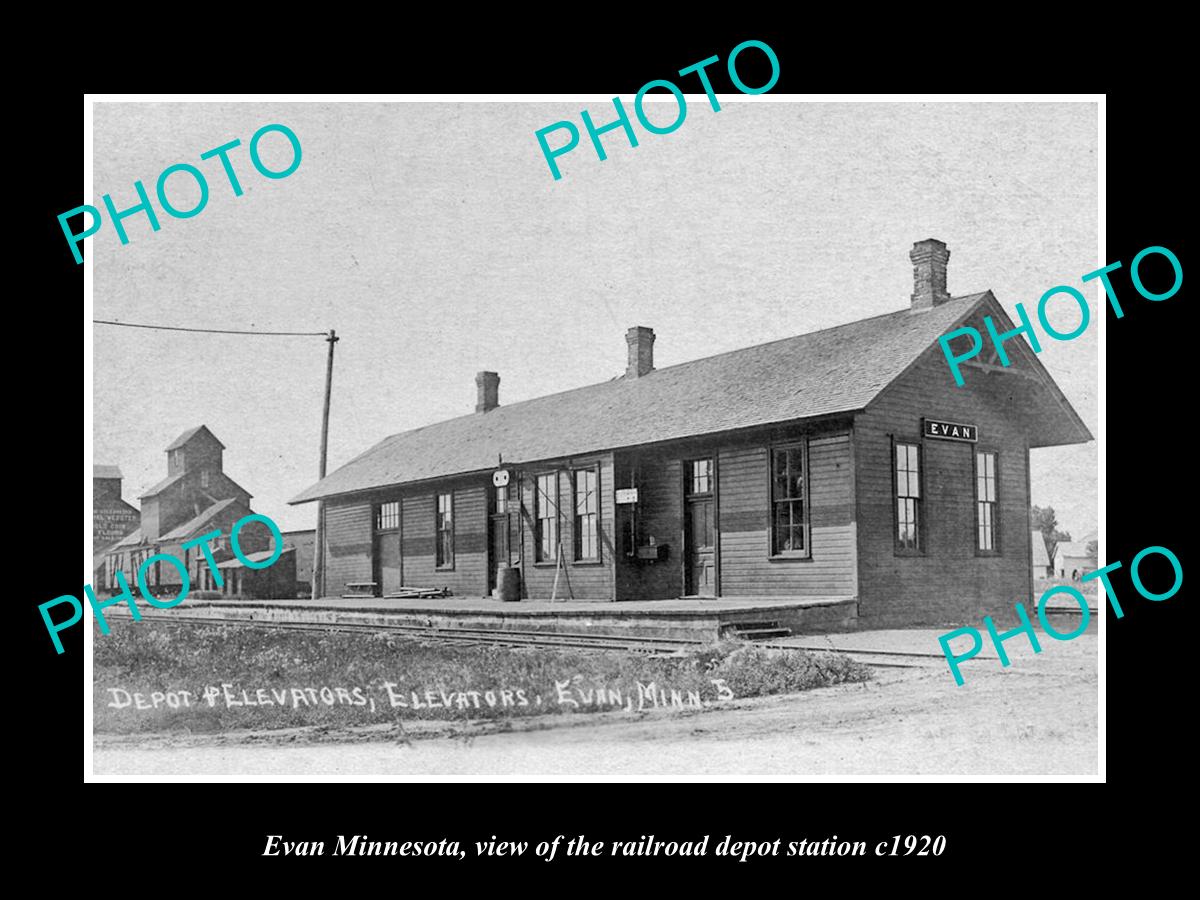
x=214 y=330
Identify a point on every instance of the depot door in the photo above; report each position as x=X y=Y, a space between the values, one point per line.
x=700 y=529
x=388 y=573
x=387 y=556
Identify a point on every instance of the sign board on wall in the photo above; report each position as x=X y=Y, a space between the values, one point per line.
x=111 y=524
x=950 y=431
x=626 y=495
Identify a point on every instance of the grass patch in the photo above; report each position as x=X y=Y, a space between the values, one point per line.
x=155 y=677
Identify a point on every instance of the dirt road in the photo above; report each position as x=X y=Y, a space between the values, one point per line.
x=1038 y=717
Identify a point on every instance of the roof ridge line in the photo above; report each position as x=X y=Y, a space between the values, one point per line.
x=688 y=362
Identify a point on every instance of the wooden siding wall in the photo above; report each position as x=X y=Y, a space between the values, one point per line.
x=949 y=584
x=350 y=528
x=348 y=543
x=746 y=567
x=588 y=581
x=743 y=519
x=349 y=522
x=418 y=547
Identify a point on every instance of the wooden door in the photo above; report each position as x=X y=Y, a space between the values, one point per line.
x=700 y=529
x=387 y=562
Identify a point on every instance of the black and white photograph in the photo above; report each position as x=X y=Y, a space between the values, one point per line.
x=512 y=438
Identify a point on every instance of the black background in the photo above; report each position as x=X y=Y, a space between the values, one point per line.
x=1000 y=832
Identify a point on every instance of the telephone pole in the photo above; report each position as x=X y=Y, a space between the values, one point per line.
x=318 y=579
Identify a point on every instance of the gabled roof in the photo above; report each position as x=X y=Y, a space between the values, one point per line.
x=1072 y=548
x=195 y=525
x=106 y=472
x=163 y=485
x=178 y=476
x=1040 y=557
x=188 y=435
x=836 y=370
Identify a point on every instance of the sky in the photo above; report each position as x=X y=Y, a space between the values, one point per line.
x=434 y=239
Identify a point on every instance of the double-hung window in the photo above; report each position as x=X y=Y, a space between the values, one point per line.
x=908 y=497
x=987 y=521
x=546 y=506
x=587 y=514
x=445 y=530
x=789 y=501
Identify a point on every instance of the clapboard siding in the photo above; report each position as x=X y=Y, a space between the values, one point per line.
x=468 y=577
x=746 y=566
x=743 y=517
x=580 y=580
x=348 y=539
x=950 y=583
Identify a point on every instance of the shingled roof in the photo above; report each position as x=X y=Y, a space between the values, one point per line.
x=194 y=525
x=839 y=369
x=162 y=485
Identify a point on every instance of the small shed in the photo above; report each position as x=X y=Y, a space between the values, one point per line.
x=1041 y=559
x=1072 y=560
x=276 y=582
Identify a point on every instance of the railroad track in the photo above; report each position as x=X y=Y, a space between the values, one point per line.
x=463 y=636
x=883 y=659
x=483 y=637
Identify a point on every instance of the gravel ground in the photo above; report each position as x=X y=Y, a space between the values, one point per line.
x=1037 y=717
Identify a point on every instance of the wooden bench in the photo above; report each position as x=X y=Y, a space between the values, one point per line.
x=359 y=589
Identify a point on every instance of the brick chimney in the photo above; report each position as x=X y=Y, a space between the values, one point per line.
x=487 y=391
x=641 y=351
x=929 y=258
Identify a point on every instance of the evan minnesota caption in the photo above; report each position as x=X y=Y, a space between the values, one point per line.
x=358 y=845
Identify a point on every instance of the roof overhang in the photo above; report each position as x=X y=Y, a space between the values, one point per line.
x=1025 y=392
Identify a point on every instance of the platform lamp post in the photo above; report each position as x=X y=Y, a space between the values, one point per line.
x=318 y=580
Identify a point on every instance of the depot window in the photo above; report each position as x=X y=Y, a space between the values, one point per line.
x=907 y=477
x=789 y=501
x=987 y=523
x=387 y=516
x=587 y=515
x=545 y=502
x=445 y=531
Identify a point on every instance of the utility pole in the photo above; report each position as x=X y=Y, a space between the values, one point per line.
x=318 y=580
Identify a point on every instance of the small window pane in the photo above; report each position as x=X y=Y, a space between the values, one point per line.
x=788 y=523
x=445 y=531
x=545 y=500
x=388 y=516
x=986 y=501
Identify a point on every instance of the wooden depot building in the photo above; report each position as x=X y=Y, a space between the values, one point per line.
x=842 y=464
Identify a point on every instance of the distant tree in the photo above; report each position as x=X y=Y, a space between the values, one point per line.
x=1093 y=548
x=1043 y=519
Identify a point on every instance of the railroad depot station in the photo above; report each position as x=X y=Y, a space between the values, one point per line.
x=836 y=479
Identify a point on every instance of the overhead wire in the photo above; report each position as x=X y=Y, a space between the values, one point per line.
x=213 y=330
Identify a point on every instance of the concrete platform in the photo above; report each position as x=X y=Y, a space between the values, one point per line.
x=682 y=619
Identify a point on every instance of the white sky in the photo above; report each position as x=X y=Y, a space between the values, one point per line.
x=434 y=239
